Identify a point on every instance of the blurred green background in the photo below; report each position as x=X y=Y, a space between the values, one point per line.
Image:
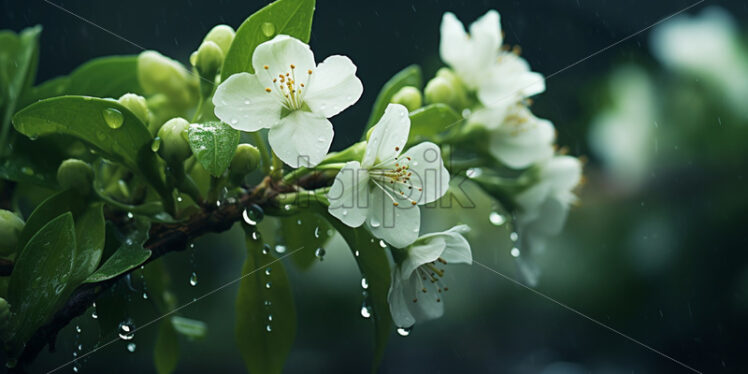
x=657 y=249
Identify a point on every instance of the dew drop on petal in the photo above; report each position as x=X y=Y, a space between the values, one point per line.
x=113 y=118
x=496 y=218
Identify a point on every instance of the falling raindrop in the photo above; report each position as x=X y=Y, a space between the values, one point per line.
x=131 y=347
x=268 y=303
x=267 y=271
x=320 y=253
x=268 y=328
x=268 y=29
x=94 y=315
x=365 y=310
x=253 y=215
x=515 y=252
x=364 y=283
x=316 y=232
x=126 y=330
x=80 y=347
x=75 y=368
x=496 y=219
x=404 y=331
x=514 y=236
x=265 y=249
x=193 y=279
x=77 y=329
x=255 y=236
x=270 y=317
x=287 y=207
x=145 y=295
x=113 y=118
x=280 y=248
x=268 y=284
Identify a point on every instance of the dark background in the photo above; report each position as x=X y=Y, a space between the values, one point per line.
x=692 y=307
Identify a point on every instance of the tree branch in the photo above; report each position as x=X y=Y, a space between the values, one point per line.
x=164 y=238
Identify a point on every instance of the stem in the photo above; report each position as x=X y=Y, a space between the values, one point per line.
x=277 y=168
x=198 y=111
x=300 y=172
x=264 y=152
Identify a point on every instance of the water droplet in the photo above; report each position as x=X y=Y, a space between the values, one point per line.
x=145 y=295
x=268 y=284
x=374 y=222
x=316 y=232
x=75 y=368
x=131 y=347
x=246 y=102
x=179 y=199
x=320 y=253
x=280 y=248
x=255 y=235
x=156 y=144
x=267 y=271
x=298 y=222
x=268 y=303
x=474 y=172
x=365 y=310
x=268 y=328
x=80 y=347
x=253 y=215
x=287 y=207
x=268 y=29
x=27 y=170
x=193 y=279
x=496 y=219
x=356 y=253
x=466 y=113
x=514 y=236
x=126 y=330
x=77 y=329
x=345 y=212
x=94 y=315
x=382 y=244
x=265 y=249
x=113 y=118
x=321 y=139
x=404 y=331
x=364 y=283
x=515 y=252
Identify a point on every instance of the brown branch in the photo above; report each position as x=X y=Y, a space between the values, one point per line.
x=164 y=238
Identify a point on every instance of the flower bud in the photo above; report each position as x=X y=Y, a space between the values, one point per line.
x=174 y=147
x=76 y=175
x=245 y=160
x=222 y=35
x=10 y=228
x=209 y=59
x=137 y=105
x=446 y=88
x=160 y=74
x=408 y=96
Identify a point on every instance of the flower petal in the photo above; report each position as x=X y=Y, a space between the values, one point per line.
x=471 y=55
x=509 y=81
x=399 y=307
x=278 y=54
x=457 y=249
x=388 y=137
x=242 y=102
x=349 y=195
x=485 y=34
x=397 y=225
x=563 y=173
x=427 y=307
x=430 y=179
x=301 y=138
x=423 y=253
x=522 y=140
x=453 y=46
x=333 y=86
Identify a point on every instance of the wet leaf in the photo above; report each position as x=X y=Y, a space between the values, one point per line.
x=410 y=76
x=104 y=124
x=214 y=145
x=129 y=254
x=166 y=351
x=264 y=351
x=90 y=233
x=190 y=328
x=431 y=120
x=41 y=274
x=305 y=230
x=287 y=17
x=49 y=209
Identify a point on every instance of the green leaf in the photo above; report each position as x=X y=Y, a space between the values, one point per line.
x=129 y=255
x=40 y=275
x=190 y=328
x=304 y=230
x=166 y=352
x=19 y=56
x=264 y=351
x=90 y=231
x=111 y=76
x=33 y=162
x=49 y=209
x=374 y=266
x=104 y=124
x=287 y=17
x=431 y=120
x=410 y=76
x=213 y=144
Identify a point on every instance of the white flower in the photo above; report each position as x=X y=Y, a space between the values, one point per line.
x=385 y=188
x=501 y=78
x=517 y=138
x=545 y=205
x=290 y=95
x=417 y=286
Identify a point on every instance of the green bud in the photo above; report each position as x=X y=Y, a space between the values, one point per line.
x=446 y=88
x=246 y=158
x=408 y=96
x=76 y=175
x=137 y=105
x=222 y=35
x=209 y=59
x=10 y=228
x=4 y=309
x=174 y=146
x=160 y=74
